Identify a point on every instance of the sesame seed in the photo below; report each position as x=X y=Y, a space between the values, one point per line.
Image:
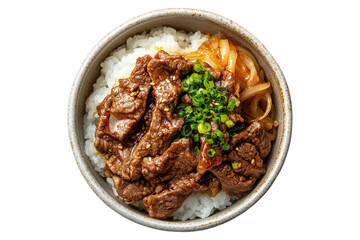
x=162 y=101
x=167 y=80
x=239 y=165
x=159 y=87
x=217 y=104
x=253 y=161
x=163 y=83
x=132 y=94
x=148 y=146
x=152 y=83
x=170 y=85
x=160 y=91
x=166 y=109
x=149 y=158
x=237 y=149
x=163 y=129
x=211 y=105
x=120 y=147
x=141 y=89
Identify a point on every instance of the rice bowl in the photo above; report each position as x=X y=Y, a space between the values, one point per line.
x=178 y=16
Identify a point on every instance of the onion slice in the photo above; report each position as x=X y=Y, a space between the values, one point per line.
x=232 y=58
x=267 y=98
x=224 y=51
x=252 y=91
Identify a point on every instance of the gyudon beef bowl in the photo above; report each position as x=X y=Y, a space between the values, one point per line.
x=180 y=119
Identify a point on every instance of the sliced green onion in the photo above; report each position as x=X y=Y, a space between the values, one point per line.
x=188 y=110
x=186 y=130
x=194 y=126
x=224 y=118
x=198 y=67
x=219 y=133
x=221 y=90
x=186 y=85
x=181 y=114
x=196 y=137
x=209 y=140
x=195 y=79
x=204 y=127
x=211 y=152
x=231 y=105
x=237 y=103
x=226 y=146
x=229 y=123
x=222 y=109
x=235 y=165
x=197 y=150
x=170 y=106
x=217 y=120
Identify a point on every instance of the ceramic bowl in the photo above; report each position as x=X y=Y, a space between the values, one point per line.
x=188 y=20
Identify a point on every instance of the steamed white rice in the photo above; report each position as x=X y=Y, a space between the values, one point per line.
x=118 y=65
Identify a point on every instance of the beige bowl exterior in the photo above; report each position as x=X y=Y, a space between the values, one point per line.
x=188 y=20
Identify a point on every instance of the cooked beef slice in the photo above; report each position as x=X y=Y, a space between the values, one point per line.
x=125 y=105
x=132 y=191
x=186 y=99
x=248 y=161
x=206 y=162
x=256 y=135
x=213 y=183
x=177 y=161
x=165 y=203
x=229 y=81
x=165 y=71
x=231 y=182
x=154 y=142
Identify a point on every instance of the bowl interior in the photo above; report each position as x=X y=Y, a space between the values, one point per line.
x=188 y=20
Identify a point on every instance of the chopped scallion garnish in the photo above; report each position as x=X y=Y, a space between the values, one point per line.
x=235 y=165
x=211 y=152
x=208 y=103
x=229 y=123
x=204 y=127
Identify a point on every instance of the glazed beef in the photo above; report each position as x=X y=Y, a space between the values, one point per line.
x=165 y=71
x=231 y=182
x=248 y=161
x=177 y=161
x=206 y=162
x=256 y=135
x=213 y=183
x=165 y=203
x=154 y=142
x=229 y=81
x=124 y=106
x=132 y=191
x=186 y=99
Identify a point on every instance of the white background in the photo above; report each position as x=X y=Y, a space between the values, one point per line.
x=44 y=196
